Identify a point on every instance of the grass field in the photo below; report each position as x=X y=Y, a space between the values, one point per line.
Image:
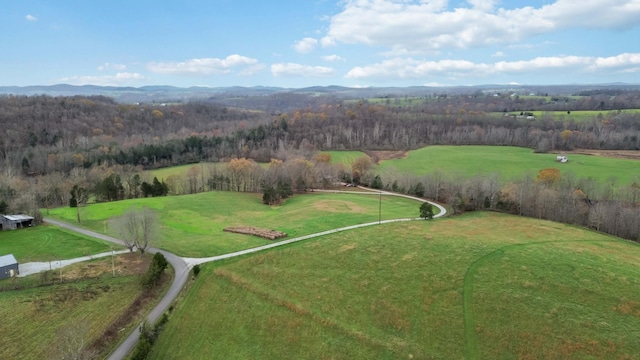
x=164 y=173
x=479 y=286
x=575 y=115
x=193 y=224
x=345 y=158
x=33 y=319
x=46 y=243
x=509 y=162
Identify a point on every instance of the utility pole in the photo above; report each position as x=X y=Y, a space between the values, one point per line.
x=380 y=208
x=113 y=261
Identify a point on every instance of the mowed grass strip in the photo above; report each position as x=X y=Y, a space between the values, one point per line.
x=48 y=243
x=192 y=224
x=476 y=286
x=508 y=162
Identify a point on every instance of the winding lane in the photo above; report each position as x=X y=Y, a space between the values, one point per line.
x=182 y=266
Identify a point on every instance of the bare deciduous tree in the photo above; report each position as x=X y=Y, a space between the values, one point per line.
x=72 y=344
x=137 y=228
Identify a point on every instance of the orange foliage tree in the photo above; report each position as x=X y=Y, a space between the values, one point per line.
x=550 y=176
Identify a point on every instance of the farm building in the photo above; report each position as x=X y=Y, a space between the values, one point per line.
x=12 y=222
x=8 y=266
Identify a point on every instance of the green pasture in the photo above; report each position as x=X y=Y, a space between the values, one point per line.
x=181 y=170
x=192 y=224
x=508 y=162
x=345 y=158
x=35 y=319
x=478 y=286
x=46 y=243
x=575 y=115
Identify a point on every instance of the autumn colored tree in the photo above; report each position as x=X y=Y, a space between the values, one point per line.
x=360 y=167
x=301 y=173
x=240 y=173
x=323 y=157
x=549 y=176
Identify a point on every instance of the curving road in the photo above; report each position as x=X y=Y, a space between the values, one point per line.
x=182 y=266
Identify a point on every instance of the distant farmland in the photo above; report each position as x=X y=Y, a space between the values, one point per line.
x=508 y=162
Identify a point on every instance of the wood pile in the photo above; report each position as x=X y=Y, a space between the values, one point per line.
x=263 y=233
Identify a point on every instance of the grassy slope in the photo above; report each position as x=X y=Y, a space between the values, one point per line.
x=44 y=243
x=345 y=157
x=507 y=161
x=192 y=224
x=477 y=286
x=164 y=173
x=32 y=319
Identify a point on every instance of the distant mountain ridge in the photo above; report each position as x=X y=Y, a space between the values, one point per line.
x=167 y=93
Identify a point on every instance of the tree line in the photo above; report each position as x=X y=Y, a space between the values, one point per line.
x=50 y=146
x=43 y=135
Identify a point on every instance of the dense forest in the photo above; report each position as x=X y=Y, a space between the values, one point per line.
x=49 y=145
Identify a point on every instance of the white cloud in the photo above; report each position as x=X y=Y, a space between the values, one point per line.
x=31 y=18
x=305 y=45
x=119 y=79
x=621 y=60
x=298 y=70
x=333 y=58
x=454 y=69
x=109 y=66
x=413 y=26
x=205 y=66
x=482 y=5
x=498 y=54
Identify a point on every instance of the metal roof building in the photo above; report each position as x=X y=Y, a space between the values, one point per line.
x=12 y=222
x=8 y=266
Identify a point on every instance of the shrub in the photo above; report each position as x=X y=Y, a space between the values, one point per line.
x=156 y=268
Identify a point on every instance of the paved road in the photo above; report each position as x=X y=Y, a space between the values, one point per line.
x=181 y=274
x=183 y=265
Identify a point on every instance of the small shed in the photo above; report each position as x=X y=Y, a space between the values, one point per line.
x=8 y=266
x=12 y=222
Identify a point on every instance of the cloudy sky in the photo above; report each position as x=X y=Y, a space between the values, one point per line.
x=298 y=43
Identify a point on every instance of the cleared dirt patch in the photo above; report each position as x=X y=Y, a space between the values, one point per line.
x=263 y=233
x=124 y=264
x=377 y=156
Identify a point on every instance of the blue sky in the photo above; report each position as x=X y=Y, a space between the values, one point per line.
x=319 y=42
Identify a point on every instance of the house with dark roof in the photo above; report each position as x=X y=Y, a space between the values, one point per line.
x=8 y=266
